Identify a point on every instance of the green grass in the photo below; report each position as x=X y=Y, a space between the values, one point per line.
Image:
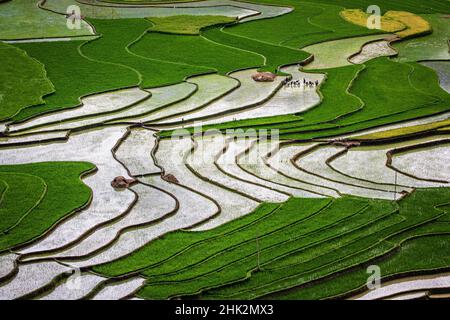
x=412 y=91
x=389 y=102
x=427 y=249
x=275 y=55
x=12 y=210
x=185 y=24
x=215 y=49
x=79 y=68
x=410 y=86
x=309 y=23
x=318 y=21
x=27 y=212
x=3 y=188
x=430 y=47
x=334 y=92
x=442 y=68
x=302 y=230
x=73 y=75
x=23 y=81
x=164 y=248
x=120 y=35
x=22 y=19
x=415 y=210
x=295 y=250
x=208 y=263
x=70 y=65
x=174 y=243
x=404 y=131
x=237 y=262
x=197 y=51
x=387 y=97
x=414 y=6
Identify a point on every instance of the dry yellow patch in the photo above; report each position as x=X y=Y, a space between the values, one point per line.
x=439 y=125
x=404 y=24
x=414 y=23
x=359 y=17
x=446 y=129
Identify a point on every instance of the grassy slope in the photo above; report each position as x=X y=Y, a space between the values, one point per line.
x=415 y=209
x=292 y=237
x=120 y=34
x=294 y=249
x=3 y=188
x=309 y=23
x=155 y=72
x=65 y=193
x=335 y=92
x=195 y=50
x=404 y=131
x=386 y=97
x=430 y=47
x=73 y=75
x=414 y=6
x=389 y=96
x=206 y=251
x=417 y=253
x=11 y=210
x=185 y=24
x=408 y=87
x=390 y=100
x=97 y=68
x=23 y=81
x=442 y=68
x=22 y=19
x=164 y=248
x=275 y=55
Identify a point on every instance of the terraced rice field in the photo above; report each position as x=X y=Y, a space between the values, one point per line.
x=224 y=149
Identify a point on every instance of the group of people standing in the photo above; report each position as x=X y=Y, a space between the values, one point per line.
x=297 y=83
